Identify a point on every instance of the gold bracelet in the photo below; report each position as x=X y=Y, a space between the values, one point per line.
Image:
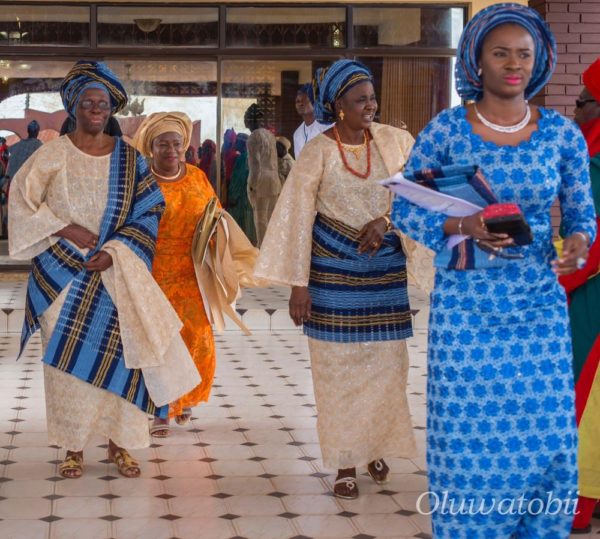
x=388 y=223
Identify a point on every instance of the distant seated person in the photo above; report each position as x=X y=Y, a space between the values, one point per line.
x=309 y=128
x=22 y=150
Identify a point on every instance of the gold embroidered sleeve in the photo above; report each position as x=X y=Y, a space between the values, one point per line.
x=286 y=250
x=31 y=221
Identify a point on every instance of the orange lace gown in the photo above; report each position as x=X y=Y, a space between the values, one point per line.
x=173 y=270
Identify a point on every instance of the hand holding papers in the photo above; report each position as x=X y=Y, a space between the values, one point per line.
x=431 y=200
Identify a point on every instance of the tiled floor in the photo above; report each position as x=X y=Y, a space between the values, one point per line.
x=248 y=466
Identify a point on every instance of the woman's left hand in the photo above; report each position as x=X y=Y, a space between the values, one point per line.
x=371 y=236
x=99 y=262
x=575 y=248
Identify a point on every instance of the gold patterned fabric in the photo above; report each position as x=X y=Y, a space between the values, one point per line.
x=360 y=391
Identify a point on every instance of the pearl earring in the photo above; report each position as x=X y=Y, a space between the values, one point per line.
x=479 y=72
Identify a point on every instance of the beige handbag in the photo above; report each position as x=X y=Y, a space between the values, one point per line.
x=224 y=262
x=205 y=230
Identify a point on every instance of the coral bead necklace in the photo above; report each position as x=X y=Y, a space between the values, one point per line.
x=366 y=143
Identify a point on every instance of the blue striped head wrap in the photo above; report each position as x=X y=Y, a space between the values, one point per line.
x=468 y=82
x=87 y=74
x=333 y=82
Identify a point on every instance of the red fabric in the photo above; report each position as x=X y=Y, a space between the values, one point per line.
x=591 y=132
x=4 y=155
x=583 y=514
x=591 y=79
x=586 y=379
x=574 y=280
x=229 y=159
x=500 y=210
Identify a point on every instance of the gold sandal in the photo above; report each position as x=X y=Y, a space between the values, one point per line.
x=71 y=467
x=127 y=466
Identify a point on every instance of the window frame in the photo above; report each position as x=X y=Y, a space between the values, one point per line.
x=221 y=50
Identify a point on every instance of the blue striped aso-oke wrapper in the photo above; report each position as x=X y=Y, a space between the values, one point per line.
x=356 y=297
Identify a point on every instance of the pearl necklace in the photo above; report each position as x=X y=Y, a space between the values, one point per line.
x=167 y=178
x=505 y=128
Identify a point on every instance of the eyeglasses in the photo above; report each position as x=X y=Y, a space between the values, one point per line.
x=580 y=103
x=89 y=104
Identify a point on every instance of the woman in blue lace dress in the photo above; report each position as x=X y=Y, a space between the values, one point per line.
x=502 y=440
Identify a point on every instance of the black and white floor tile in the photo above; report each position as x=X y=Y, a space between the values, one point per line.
x=248 y=465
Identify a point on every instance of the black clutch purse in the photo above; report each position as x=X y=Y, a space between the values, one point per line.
x=508 y=219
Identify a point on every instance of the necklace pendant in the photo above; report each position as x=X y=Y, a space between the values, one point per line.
x=356 y=152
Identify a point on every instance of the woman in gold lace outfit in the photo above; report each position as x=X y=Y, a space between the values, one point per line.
x=330 y=240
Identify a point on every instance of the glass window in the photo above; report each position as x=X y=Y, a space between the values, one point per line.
x=405 y=92
x=269 y=84
x=407 y=27
x=164 y=26
x=286 y=27
x=30 y=91
x=24 y=25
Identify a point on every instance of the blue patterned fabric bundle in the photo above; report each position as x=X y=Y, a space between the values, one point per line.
x=333 y=82
x=356 y=297
x=467 y=183
x=468 y=81
x=86 y=341
x=87 y=74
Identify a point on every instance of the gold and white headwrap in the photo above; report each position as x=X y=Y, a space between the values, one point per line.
x=158 y=123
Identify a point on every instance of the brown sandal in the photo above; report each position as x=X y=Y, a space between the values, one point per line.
x=345 y=488
x=127 y=466
x=71 y=467
x=184 y=417
x=379 y=471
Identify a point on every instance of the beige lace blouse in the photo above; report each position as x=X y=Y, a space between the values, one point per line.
x=319 y=182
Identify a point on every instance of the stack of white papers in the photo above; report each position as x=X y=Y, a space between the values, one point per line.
x=431 y=200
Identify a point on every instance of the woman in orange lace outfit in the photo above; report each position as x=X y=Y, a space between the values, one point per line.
x=164 y=138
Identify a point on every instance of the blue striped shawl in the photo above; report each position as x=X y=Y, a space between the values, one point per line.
x=86 y=340
x=356 y=297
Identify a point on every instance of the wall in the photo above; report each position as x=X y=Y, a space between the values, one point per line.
x=576 y=26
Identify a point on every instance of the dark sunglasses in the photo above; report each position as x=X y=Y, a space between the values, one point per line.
x=580 y=103
x=89 y=104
